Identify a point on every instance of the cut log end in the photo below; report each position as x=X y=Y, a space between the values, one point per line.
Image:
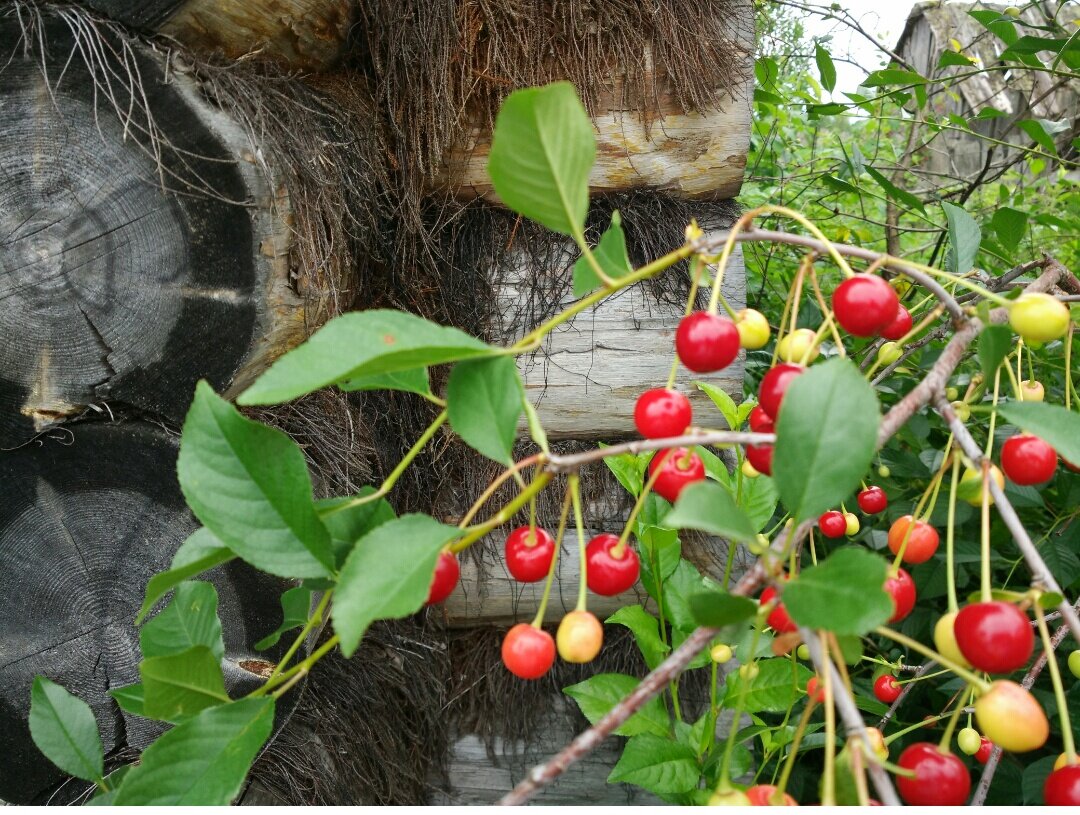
x=86 y=520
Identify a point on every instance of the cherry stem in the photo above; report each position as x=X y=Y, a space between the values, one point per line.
x=985 y=585
x=1018 y=393
x=618 y=549
x=796 y=295
x=697 y=269
x=978 y=682
x=841 y=351
x=993 y=413
x=1070 y=388
x=917 y=726
x=587 y=252
x=918 y=514
x=539 y=458
x=396 y=473
x=315 y=619
x=564 y=514
x=501 y=517
x=828 y=791
x=1059 y=688
x=793 y=749
x=744 y=685
x=950 y=727
x=780 y=333
x=950 y=536
x=1020 y=368
x=575 y=491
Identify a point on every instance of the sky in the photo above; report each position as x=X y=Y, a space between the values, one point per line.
x=882 y=18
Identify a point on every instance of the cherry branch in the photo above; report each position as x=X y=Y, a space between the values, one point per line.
x=1029 y=679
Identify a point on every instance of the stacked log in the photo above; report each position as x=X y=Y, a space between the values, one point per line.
x=277 y=162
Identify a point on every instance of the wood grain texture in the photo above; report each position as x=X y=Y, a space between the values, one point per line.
x=139 y=251
x=88 y=516
x=588 y=375
x=306 y=35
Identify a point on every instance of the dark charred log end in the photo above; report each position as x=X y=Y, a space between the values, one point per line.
x=137 y=252
x=86 y=520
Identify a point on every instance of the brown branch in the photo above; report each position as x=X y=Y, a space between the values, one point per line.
x=987 y=777
x=922 y=670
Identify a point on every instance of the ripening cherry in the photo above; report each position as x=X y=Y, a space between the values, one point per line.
x=922 y=541
x=1028 y=460
x=528 y=652
x=865 y=305
x=969 y=741
x=778 y=618
x=706 y=342
x=799 y=346
x=815 y=690
x=900 y=326
x=445 y=577
x=529 y=552
x=887 y=689
x=661 y=413
x=1032 y=390
x=872 y=500
x=832 y=524
x=753 y=329
x=774 y=384
x=760 y=421
x=760 y=457
x=941 y=779
x=851 y=524
x=1039 y=317
x=901 y=588
x=729 y=798
x=579 y=637
x=1062 y=787
x=761 y=795
x=1010 y=717
x=945 y=639
x=994 y=636
x=678 y=468
x=609 y=570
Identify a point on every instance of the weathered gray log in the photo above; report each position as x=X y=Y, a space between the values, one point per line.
x=89 y=515
x=143 y=246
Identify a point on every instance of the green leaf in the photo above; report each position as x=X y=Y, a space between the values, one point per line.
x=599 y=694
x=628 y=469
x=759 y=499
x=840 y=185
x=1035 y=129
x=1035 y=775
x=708 y=507
x=717 y=609
x=388 y=575
x=661 y=553
x=1060 y=559
x=646 y=629
x=892 y=76
x=295 y=610
x=964 y=239
x=347 y=526
x=893 y=191
x=536 y=428
x=995 y=341
x=541 y=153
x=65 y=731
x=656 y=764
x=131 y=699
x=611 y=256
x=1058 y=427
x=182 y=684
x=201 y=552
x=826 y=68
x=844 y=594
x=724 y=403
x=190 y=619
x=361 y=344
x=484 y=400
x=825 y=437
x=1009 y=225
x=249 y=484
x=949 y=59
x=679 y=587
x=413 y=380
x=778 y=684
x=203 y=761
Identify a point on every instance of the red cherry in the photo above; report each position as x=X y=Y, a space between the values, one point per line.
x=1028 y=460
x=901 y=588
x=778 y=618
x=886 y=689
x=760 y=421
x=832 y=524
x=760 y=795
x=995 y=637
x=899 y=326
x=527 y=652
x=872 y=500
x=815 y=690
x=774 y=384
x=1062 y=787
x=677 y=470
x=662 y=412
x=941 y=779
x=447 y=572
x=760 y=457
x=922 y=541
x=706 y=342
x=865 y=305
x=527 y=557
x=605 y=573
x=986 y=747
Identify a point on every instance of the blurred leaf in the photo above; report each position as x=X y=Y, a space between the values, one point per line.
x=844 y=594
x=611 y=256
x=1058 y=427
x=826 y=68
x=964 y=239
x=779 y=683
x=995 y=342
x=646 y=630
x=708 y=507
x=717 y=609
x=1010 y=226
